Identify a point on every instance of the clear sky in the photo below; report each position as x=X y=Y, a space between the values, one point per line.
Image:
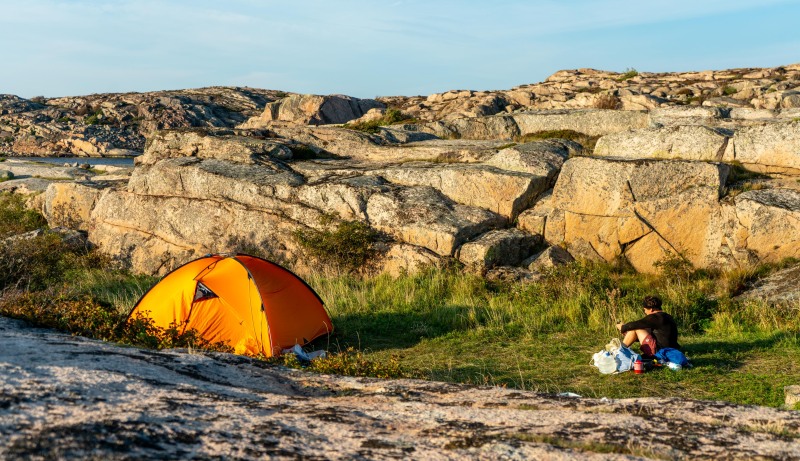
x=368 y=48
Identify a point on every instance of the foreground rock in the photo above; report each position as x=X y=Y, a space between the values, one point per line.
x=71 y=398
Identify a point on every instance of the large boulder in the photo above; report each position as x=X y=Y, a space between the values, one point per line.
x=70 y=204
x=688 y=142
x=156 y=234
x=593 y=122
x=769 y=147
x=422 y=216
x=504 y=192
x=315 y=110
x=782 y=287
x=505 y=247
x=202 y=144
x=767 y=224
x=604 y=208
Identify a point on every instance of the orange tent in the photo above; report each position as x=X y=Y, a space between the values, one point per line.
x=250 y=303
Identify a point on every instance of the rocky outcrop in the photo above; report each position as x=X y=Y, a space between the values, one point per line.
x=510 y=127
x=769 y=148
x=688 y=142
x=314 y=110
x=507 y=247
x=69 y=397
x=767 y=224
x=604 y=208
x=780 y=288
x=447 y=184
x=196 y=193
x=105 y=125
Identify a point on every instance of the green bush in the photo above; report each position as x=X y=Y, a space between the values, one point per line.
x=85 y=316
x=629 y=73
x=15 y=218
x=350 y=246
x=729 y=90
x=391 y=117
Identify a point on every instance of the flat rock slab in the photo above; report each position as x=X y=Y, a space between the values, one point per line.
x=67 y=397
x=782 y=287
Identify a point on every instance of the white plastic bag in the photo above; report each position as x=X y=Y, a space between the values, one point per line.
x=605 y=362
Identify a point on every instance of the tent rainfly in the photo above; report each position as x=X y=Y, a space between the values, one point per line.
x=254 y=305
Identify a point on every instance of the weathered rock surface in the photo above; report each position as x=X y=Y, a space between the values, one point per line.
x=70 y=204
x=615 y=207
x=117 y=124
x=686 y=142
x=767 y=224
x=68 y=397
x=769 y=148
x=509 y=127
x=315 y=110
x=507 y=247
x=782 y=287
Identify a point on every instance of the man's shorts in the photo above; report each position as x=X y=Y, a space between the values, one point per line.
x=648 y=347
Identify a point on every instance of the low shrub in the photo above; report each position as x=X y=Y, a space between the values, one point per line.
x=85 y=316
x=728 y=90
x=391 y=117
x=629 y=74
x=350 y=362
x=15 y=218
x=350 y=246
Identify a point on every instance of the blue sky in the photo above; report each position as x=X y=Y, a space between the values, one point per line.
x=376 y=47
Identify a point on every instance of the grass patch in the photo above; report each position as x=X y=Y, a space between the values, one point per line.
x=443 y=325
x=588 y=142
x=391 y=117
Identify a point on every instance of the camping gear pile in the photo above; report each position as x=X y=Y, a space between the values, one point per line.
x=254 y=305
x=617 y=358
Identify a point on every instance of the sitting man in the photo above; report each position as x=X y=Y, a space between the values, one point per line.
x=657 y=330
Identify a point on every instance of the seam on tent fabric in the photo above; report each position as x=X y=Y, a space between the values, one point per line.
x=261 y=302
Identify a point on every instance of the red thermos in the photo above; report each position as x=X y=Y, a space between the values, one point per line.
x=638 y=367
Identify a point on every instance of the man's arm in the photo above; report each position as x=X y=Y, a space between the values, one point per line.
x=650 y=322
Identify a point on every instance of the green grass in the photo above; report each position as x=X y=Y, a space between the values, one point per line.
x=447 y=326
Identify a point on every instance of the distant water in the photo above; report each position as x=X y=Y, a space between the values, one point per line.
x=115 y=161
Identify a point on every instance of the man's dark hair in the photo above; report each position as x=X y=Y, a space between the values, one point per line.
x=652 y=302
